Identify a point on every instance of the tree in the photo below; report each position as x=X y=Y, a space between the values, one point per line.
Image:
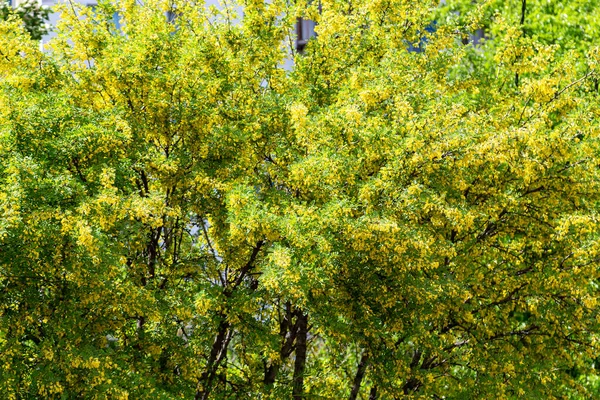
x=183 y=217
x=33 y=15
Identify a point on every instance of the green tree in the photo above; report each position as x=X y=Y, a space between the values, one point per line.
x=33 y=15
x=181 y=217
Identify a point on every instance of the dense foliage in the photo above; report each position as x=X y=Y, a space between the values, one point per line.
x=183 y=217
x=32 y=14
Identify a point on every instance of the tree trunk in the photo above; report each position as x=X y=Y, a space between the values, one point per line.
x=217 y=354
x=360 y=373
x=218 y=351
x=373 y=393
x=300 y=362
x=288 y=332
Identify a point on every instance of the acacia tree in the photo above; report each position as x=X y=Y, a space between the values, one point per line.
x=183 y=217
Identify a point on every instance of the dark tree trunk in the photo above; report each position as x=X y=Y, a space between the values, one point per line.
x=373 y=393
x=360 y=373
x=270 y=374
x=300 y=362
x=225 y=332
x=217 y=354
x=288 y=332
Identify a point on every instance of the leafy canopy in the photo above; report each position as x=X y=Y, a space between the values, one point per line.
x=402 y=213
x=33 y=16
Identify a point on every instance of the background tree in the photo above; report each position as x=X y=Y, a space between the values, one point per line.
x=33 y=15
x=182 y=217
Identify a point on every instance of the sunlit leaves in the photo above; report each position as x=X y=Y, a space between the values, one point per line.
x=176 y=206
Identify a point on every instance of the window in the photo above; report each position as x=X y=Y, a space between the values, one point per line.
x=305 y=29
